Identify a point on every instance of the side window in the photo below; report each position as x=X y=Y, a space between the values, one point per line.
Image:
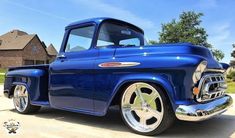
x=101 y=43
x=80 y=39
x=130 y=42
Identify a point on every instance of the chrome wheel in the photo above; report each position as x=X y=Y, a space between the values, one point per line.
x=20 y=98
x=142 y=107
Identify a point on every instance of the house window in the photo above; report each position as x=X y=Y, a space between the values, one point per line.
x=34 y=48
x=28 y=62
x=39 y=62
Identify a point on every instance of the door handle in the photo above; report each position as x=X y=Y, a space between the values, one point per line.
x=62 y=56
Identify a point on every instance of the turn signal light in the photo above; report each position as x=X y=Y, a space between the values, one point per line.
x=195 y=91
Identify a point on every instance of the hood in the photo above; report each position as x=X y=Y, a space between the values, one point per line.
x=171 y=49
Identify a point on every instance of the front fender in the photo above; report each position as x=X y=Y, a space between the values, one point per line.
x=160 y=79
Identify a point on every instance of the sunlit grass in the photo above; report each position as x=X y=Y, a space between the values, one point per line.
x=2 y=75
x=2 y=70
x=231 y=86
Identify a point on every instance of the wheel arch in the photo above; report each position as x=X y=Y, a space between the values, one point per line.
x=158 y=80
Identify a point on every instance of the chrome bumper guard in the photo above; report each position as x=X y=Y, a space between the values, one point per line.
x=203 y=111
x=211 y=86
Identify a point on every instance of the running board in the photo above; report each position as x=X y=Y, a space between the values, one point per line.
x=41 y=103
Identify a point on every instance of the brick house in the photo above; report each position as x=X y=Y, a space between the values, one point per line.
x=18 y=48
x=52 y=52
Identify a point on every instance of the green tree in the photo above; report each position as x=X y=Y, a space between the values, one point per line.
x=187 y=29
x=218 y=54
x=152 y=42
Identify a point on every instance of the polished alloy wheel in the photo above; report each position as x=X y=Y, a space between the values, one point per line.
x=20 y=98
x=142 y=107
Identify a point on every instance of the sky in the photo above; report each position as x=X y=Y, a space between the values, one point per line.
x=47 y=18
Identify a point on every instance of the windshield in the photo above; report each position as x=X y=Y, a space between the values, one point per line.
x=119 y=35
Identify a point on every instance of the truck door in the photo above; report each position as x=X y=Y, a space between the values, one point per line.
x=71 y=77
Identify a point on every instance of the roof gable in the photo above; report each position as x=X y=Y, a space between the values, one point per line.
x=51 y=50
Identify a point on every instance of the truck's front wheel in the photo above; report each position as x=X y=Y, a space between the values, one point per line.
x=146 y=109
x=21 y=100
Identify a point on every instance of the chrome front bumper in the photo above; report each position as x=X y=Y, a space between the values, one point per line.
x=203 y=111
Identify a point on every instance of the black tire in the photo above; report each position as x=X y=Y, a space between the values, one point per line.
x=168 y=115
x=28 y=107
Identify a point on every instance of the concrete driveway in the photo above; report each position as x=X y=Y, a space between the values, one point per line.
x=51 y=123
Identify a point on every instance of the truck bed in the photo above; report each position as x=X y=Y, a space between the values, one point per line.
x=42 y=66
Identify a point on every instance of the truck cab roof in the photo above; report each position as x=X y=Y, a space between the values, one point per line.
x=100 y=20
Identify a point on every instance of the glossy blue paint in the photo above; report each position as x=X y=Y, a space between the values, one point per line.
x=225 y=66
x=35 y=78
x=78 y=84
x=71 y=80
x=26 y=72
x=103 y=96
x=98 y=21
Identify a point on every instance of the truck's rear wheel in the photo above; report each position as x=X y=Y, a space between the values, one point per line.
x=21 y=100
x=145 y=109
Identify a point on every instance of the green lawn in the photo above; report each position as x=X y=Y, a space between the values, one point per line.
x=2 y=76
x=231 y=86
x=2 y=70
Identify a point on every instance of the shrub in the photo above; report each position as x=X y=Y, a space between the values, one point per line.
x=231 y=75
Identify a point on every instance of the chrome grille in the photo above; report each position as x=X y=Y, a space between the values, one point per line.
x=211 y=86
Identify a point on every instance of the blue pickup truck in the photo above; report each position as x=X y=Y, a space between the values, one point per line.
x=104 y=62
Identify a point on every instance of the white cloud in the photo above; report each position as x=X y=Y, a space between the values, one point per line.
x=220 y=33
x=36 y=10
x=220 y=37
x=116 y=12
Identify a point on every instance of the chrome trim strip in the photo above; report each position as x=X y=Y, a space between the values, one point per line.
x=215 y=70
x=199 y=112
x=118 y=64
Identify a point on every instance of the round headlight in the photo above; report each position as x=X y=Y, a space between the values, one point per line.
x=199 y=70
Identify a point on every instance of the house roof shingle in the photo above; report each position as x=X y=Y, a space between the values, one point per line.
x=51 y=50
x=15 y=40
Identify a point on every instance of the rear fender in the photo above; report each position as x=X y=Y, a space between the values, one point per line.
x=26 y=73
x=35 y=80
